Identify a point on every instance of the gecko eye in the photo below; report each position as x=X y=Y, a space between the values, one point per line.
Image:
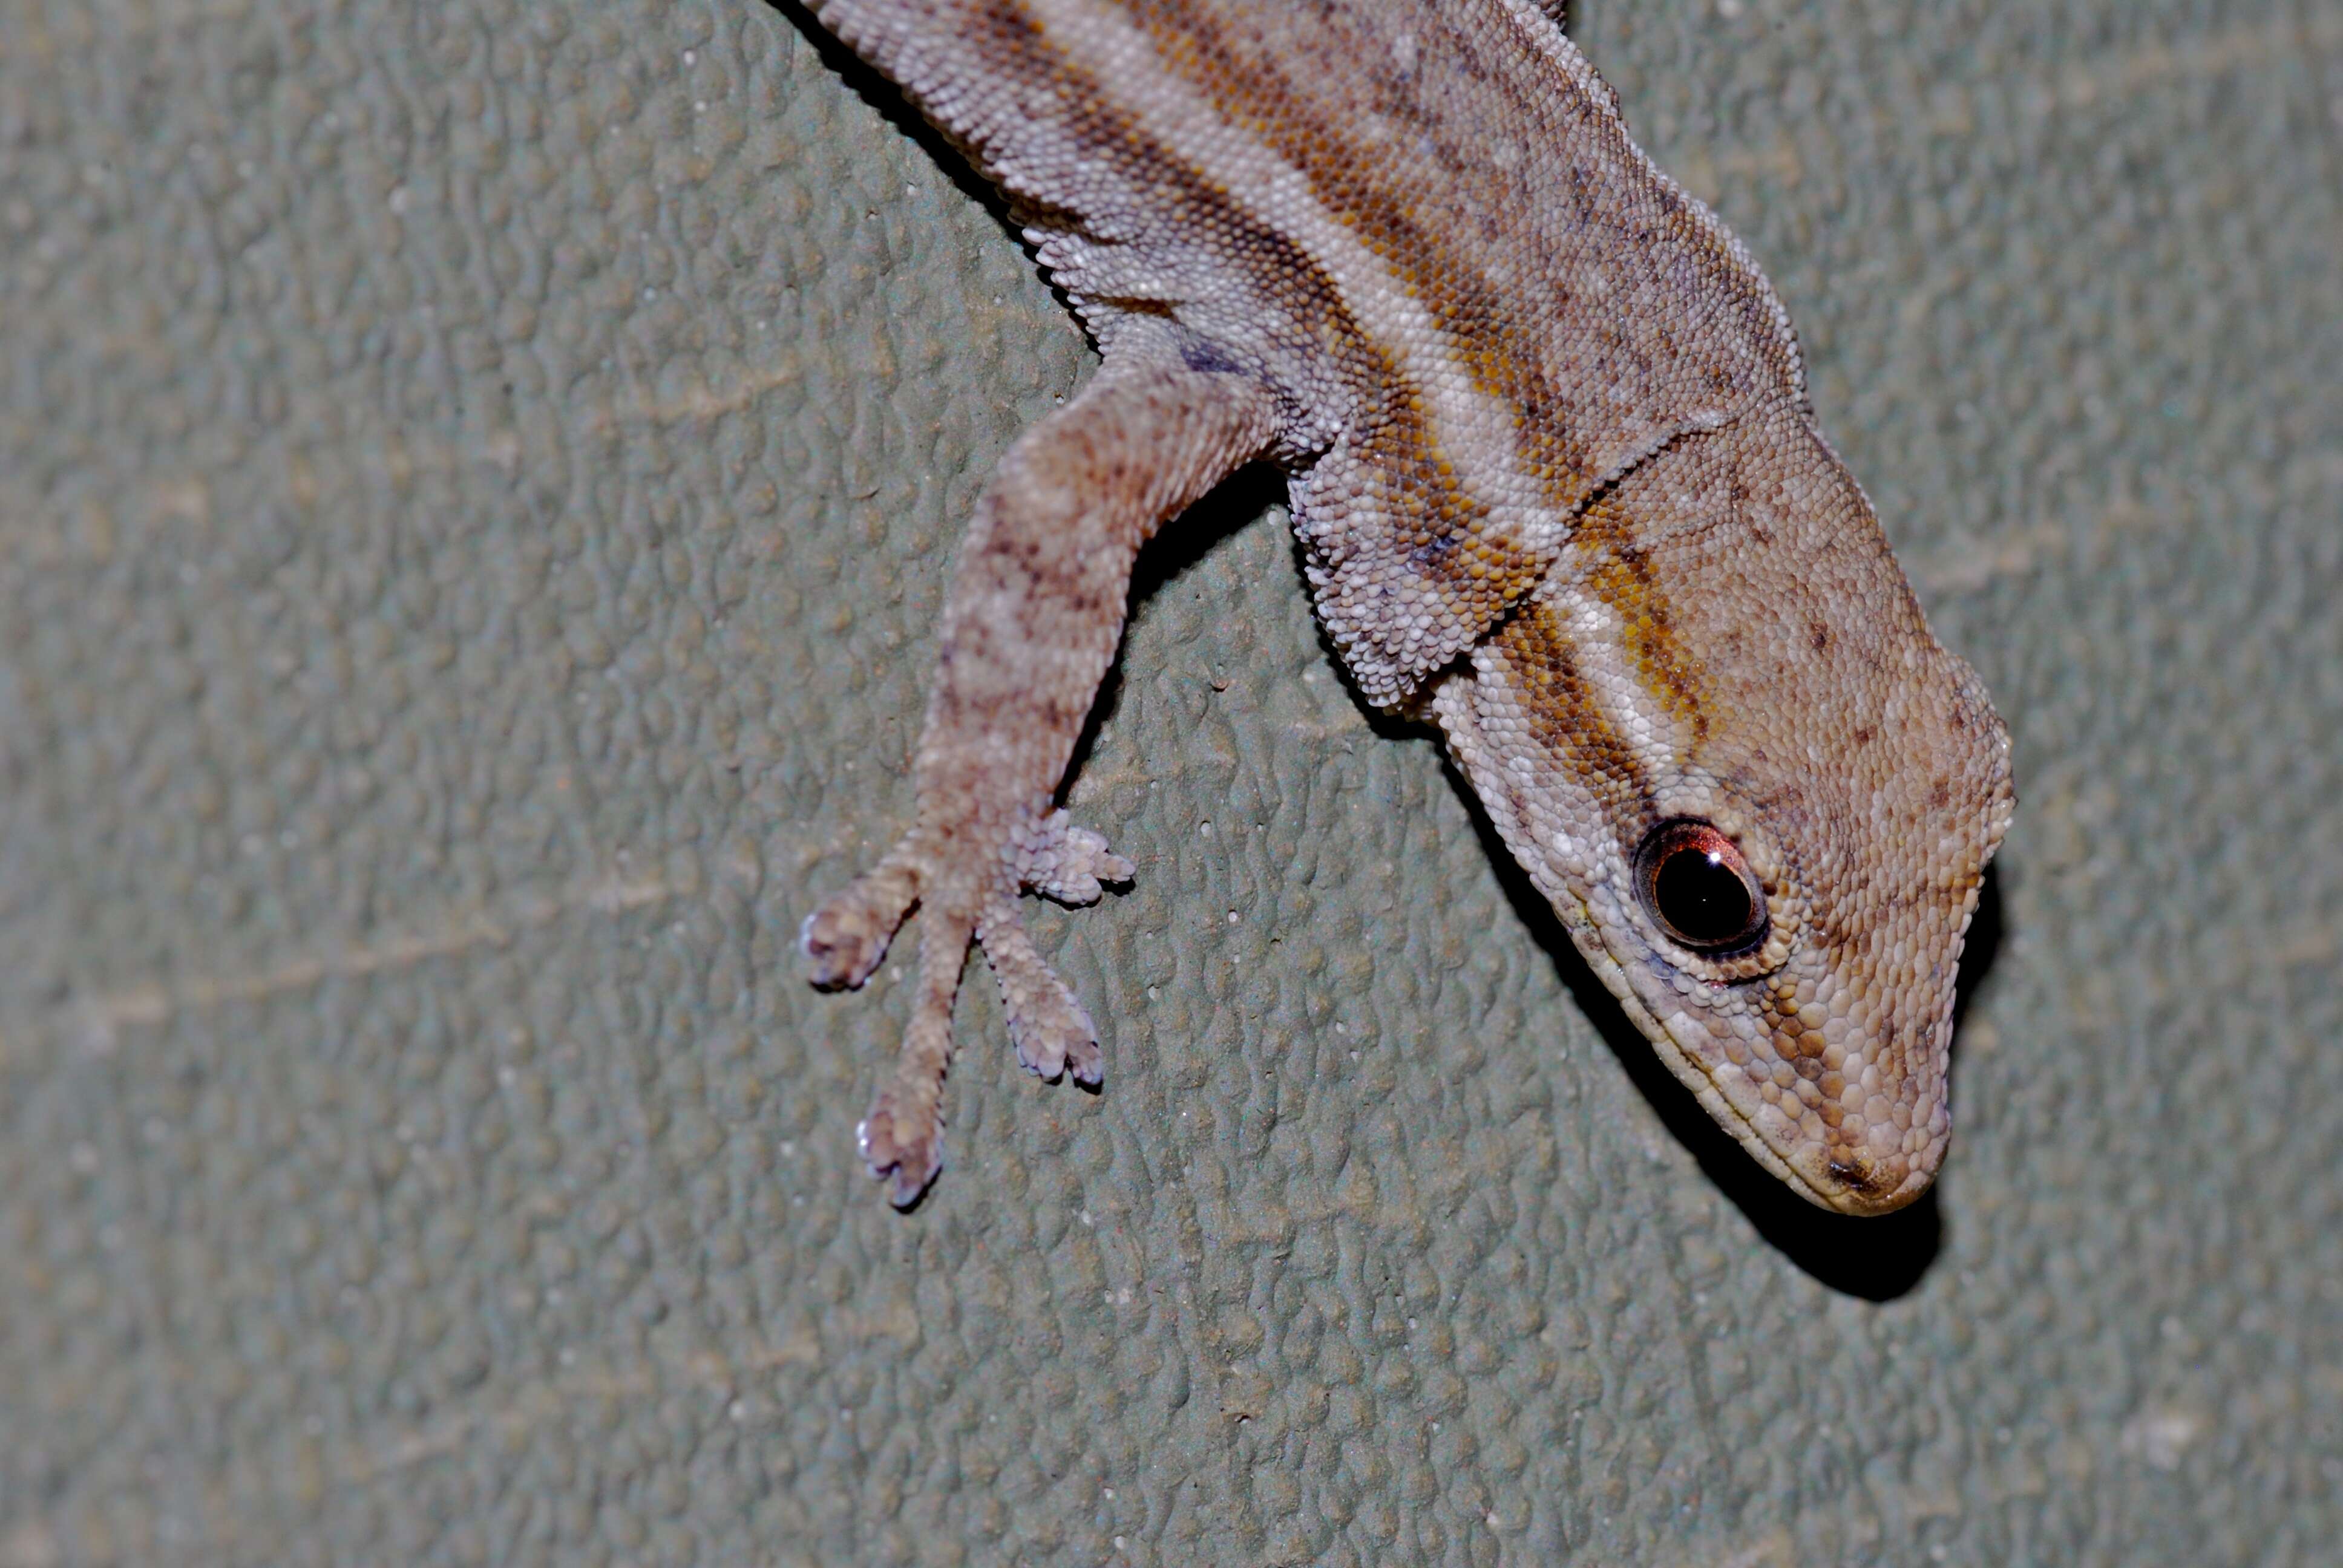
x=1697 y=888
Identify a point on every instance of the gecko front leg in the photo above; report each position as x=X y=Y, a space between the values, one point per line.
x=1035 y=612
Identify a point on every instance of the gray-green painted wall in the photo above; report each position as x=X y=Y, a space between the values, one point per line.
x=475 y=488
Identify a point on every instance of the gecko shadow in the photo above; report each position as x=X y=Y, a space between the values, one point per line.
x=1878 y=1257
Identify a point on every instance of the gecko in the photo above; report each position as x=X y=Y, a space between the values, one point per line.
x=1559 y=492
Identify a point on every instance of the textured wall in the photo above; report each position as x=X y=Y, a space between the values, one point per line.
x=476 y=485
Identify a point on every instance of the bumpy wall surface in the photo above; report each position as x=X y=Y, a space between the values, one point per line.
x=476 y=487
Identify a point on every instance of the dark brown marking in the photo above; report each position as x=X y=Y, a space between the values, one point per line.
x=1857 y=1178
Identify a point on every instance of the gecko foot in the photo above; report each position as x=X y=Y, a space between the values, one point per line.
x=902 y=1139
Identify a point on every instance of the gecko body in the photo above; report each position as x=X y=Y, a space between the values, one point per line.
x=1559 y=490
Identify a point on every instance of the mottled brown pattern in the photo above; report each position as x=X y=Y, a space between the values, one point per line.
x=1552 y=471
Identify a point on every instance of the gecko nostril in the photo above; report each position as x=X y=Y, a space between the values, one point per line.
x=1854 y=1177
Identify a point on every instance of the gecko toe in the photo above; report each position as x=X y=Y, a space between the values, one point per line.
x=1070 y=864
x=844 y=939
x=1052 y=1031
x=904 y=1151
x=838 y=956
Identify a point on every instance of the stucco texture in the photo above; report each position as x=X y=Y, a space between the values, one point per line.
x=475 y=488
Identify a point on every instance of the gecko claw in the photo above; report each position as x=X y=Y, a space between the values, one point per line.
x=834 y=962
x=908 y=1165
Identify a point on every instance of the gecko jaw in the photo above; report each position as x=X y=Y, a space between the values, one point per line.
x=1844 y=1197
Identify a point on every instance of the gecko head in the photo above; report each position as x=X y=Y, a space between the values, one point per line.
x=1721 y=739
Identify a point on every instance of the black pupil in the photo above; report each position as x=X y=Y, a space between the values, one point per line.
x=1704 y=899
